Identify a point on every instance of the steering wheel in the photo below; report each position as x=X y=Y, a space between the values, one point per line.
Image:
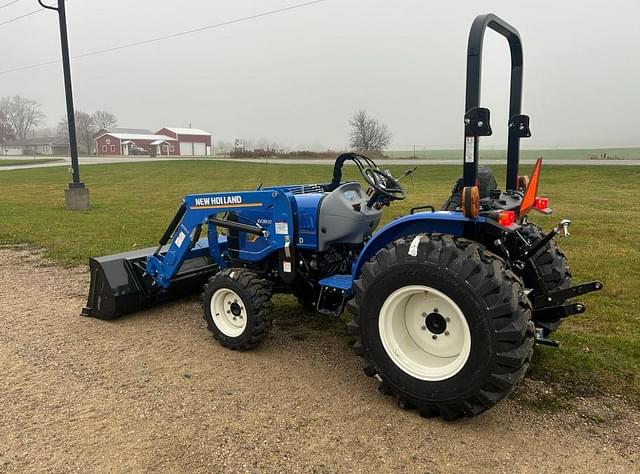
x=380 y=181
x=384 y=184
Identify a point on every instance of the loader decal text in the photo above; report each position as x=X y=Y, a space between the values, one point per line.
x=217 y=200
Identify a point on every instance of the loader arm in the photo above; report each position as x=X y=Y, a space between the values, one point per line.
x=202 y=209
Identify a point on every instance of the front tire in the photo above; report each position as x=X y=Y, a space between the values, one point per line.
x=237 y=308
x=436 y=285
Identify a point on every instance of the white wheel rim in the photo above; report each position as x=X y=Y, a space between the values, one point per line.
x=410 y=318
x=228 y=312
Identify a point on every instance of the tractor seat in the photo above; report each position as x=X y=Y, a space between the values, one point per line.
x=487 y=184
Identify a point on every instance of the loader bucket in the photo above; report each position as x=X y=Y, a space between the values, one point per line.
x=120 y=286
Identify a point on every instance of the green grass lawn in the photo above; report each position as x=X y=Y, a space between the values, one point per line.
x=35 y=161
x=564 y=154
x=131 y=204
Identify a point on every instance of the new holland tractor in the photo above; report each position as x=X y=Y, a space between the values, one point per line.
x=446 y=304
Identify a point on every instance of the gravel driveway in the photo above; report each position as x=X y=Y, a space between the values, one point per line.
x=154 y=391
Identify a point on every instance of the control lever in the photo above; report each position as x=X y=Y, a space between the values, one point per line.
x=407 y=172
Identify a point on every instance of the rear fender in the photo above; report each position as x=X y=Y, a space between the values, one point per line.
x=453 y=223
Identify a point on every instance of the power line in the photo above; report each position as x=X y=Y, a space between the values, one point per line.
x=21 y=16
x=8 y=4
x=169 y=36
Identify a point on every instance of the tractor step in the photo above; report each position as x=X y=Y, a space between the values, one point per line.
x=334 y=292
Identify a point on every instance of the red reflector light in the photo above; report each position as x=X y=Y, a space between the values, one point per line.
x=506 y=218
x=541 y=203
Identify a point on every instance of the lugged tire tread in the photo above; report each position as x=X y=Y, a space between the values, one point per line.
x=260 y=297
x=507 y=304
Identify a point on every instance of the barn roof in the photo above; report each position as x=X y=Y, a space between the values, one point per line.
x=188 y=131
x=135 y=131
x=138 y=136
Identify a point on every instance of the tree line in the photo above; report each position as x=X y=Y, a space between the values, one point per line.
x=21 y=117
x=366 y=134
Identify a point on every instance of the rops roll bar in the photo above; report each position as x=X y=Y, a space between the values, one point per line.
x=476 y=118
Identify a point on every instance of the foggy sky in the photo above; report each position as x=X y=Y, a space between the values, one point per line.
x=296 y=77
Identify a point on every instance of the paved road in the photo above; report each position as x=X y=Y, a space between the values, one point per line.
x=66 y=161
x=395 y=161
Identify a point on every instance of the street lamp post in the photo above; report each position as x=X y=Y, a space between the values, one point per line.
x=76 y=196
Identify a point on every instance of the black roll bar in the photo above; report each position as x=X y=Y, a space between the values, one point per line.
x=477 y=118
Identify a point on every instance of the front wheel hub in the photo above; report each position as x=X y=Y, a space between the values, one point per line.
x=228 y=312
x=236 y=309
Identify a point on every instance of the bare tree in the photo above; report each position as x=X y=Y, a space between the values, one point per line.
x=103 y=119
x=6 y=130
x=22 y=115
x=85 y=130
x=368 y=133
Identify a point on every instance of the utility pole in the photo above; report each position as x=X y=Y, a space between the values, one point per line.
x=76 y=196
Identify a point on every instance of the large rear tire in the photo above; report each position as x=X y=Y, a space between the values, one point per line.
x=551 y=265
x=443 y=324
x=237 y=308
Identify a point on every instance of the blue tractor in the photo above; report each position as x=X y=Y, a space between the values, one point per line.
x=446 y=304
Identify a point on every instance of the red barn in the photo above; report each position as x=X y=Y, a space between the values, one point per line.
x=168 y=141
x=123 y=144
x=191 y=141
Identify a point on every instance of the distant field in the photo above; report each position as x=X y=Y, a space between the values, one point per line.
x=131 y=205
x=26 y=162
x=563 y=154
